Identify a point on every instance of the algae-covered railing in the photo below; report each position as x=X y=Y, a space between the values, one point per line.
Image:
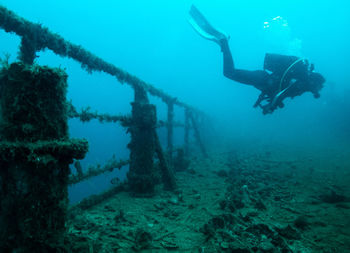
x=36 y=150
x=35 y=37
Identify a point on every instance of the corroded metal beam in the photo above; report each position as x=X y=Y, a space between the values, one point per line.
x=42 y=38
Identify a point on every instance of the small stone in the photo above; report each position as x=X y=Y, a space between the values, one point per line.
x=174 y=201
x=158 y=206
x=191 y=171
x=169 y=245
x=301 y=222
x=197 y=196
x=266 y=246
x=191 y=206
x=222 y=173
x=289 y=232
x=224 y=245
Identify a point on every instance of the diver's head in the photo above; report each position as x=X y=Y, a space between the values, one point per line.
x=316 y=83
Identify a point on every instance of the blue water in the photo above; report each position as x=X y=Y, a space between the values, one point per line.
x=153 y=40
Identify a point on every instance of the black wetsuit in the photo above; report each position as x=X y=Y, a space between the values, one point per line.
x=296 y=81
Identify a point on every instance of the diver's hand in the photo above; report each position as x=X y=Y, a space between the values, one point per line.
x=316 y=94
x=268 y=108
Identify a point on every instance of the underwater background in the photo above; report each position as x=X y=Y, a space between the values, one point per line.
x=153 y=40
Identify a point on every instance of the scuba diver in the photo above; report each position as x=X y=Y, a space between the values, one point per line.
x=283 y=76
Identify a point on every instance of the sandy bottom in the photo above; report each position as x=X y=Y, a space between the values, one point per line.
x=236 y=201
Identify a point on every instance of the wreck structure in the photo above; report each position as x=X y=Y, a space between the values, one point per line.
x=36 y=151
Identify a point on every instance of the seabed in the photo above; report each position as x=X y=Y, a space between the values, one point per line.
x=235 y=201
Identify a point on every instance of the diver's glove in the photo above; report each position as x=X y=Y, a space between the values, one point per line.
x=316 y=94
x=270 y=107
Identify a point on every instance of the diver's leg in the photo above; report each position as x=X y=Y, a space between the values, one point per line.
x=257 y=78
x=229 y=66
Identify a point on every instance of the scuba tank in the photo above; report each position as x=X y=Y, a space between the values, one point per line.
x=278 y=64
x=288 y=69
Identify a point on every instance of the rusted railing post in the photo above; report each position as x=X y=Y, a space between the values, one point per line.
x=170 y=127
x=187 y=131
x=142 y=174
x=27 y=52
x=166 y=171
x=197 y=135
x=35 y=153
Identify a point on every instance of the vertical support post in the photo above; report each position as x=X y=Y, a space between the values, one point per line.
x=34 y=168
x=28 y=49
x=166 y=171
x=197 y=136
x=170 y=127
x=142 y=174
x=187 y=131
